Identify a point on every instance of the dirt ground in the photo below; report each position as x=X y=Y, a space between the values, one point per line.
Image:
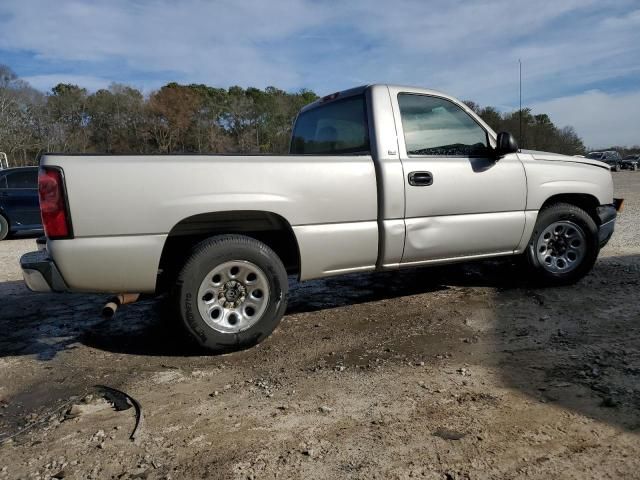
x=444 y=373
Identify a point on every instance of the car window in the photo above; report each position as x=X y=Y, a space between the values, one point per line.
x=337 y=127
x=435 y=126
x=26 y=179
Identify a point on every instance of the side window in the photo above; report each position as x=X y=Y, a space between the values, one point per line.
x=435 y=126
x=3 y=182
x=25 y=179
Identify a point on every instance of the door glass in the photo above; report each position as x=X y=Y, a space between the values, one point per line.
x=26 y=179
x=435 y=126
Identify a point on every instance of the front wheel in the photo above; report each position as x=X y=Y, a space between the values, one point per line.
x=564 y=244
x=232 y=292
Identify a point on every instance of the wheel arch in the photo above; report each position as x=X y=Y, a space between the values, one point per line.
x=586 y=201
x=267 y=227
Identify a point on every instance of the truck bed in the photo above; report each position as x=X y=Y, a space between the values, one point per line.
x=123 y=208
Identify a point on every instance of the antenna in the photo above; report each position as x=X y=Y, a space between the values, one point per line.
x=521 y=141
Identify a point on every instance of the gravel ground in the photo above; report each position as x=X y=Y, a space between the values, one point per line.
x=445 y=373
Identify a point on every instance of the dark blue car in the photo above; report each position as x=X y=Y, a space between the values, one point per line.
x=19 y=204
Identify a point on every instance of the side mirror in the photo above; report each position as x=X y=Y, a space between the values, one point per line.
x=505 y=144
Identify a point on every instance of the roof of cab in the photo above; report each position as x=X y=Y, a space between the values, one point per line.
x=335 y=96
x=362 y=88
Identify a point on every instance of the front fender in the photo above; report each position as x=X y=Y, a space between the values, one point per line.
x=546 y=179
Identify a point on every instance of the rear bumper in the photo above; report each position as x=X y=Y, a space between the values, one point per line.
x=40 y=273
x=608 y=215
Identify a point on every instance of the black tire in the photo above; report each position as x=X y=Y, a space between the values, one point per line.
x=4 y=228
x=207 y=256
x=617 y=167
x=564 y=212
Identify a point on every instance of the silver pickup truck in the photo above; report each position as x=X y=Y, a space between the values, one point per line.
x=379 y=177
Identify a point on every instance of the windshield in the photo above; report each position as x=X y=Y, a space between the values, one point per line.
x=337 y=127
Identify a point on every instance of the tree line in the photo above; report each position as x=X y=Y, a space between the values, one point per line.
x=121 y=119
x=533 y=132
x=190 y=119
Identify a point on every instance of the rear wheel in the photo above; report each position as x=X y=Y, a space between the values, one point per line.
x=564 y=244
x=232 y=292
x=4 y=228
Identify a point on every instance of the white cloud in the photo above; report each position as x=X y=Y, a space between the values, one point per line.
x=602 y=119
x=468 y=47
x=47 y=81
x=213 y=42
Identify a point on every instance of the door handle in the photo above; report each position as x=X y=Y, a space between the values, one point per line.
x=420 y=179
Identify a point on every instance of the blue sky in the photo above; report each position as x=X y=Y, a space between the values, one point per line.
x=581 y=58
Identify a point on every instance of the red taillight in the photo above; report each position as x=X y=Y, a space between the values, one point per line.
x=53 y=206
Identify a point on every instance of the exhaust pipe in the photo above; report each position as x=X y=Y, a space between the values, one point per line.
x=109 y=310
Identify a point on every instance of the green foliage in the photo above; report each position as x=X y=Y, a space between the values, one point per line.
x=176 y=118
x=538 y=131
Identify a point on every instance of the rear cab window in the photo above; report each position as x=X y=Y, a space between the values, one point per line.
x=338 y=127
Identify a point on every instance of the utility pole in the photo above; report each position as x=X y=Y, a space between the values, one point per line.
x=520 y=139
